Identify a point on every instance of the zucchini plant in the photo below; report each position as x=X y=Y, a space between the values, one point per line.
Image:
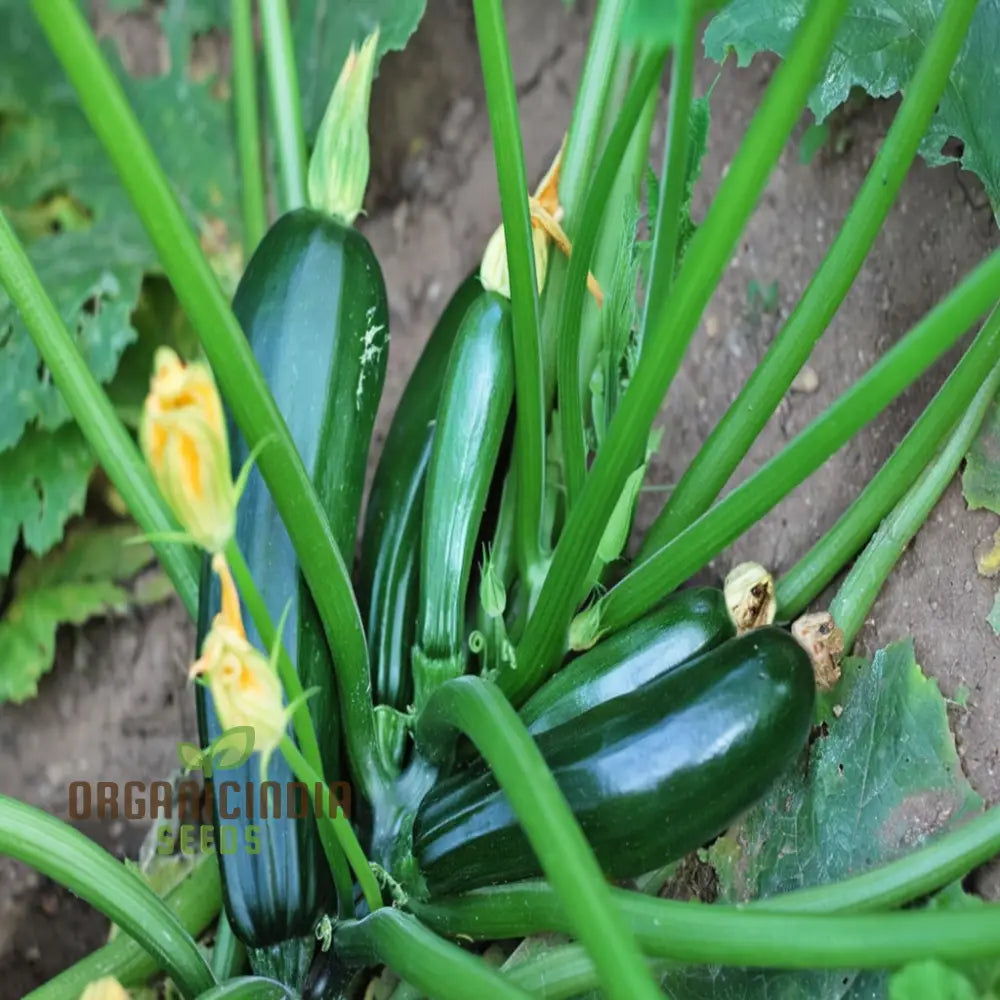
x=522 y=712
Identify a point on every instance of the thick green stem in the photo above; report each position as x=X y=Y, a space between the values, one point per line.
x=248 y=144
x=94 y=413
x=568 y=330
x=807 y=578
x=250 y=987
x=673 y=177
x=752 y=937
x=860 y=588
x=336 y=833
x=68 y=857
x=529 y=453
x=286 y=106
x=440 y=969
x=670 y=331
x=668 y=567
x=559 y=973
x=229 y=954
x=476 y=708
x=763 y=391
x=232 y=360
x=588 y=111
x=195 y=901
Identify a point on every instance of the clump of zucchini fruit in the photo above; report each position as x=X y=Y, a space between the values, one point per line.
x=523 y=712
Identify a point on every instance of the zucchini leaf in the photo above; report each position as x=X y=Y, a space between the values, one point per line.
x=880 y=776
x=84 y=577
x=62 y=196
x=878 y=46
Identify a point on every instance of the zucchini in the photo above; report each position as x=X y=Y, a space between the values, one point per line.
x=388 y=570
x=650 y=775
x=686 y=624
x=312 y=304
x=475 y=403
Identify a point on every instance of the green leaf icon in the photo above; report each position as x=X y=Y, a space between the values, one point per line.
x=191 y=757
x=233 y=747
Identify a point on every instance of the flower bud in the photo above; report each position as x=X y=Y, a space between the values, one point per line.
x=338 y=167
x=492 y=593
x=183 y=436
x=107 y=988
x=246 y=690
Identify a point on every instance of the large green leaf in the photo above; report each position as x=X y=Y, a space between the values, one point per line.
x=82 y=578
x=880 y=776
x=323 y=32
x=86 y=243
x=981 y=477
x=878 y=46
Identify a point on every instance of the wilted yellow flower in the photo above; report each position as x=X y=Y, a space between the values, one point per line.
x=245 y=687
x=338 y=167
x=107 y=988
x=546 y=216
x=183 y=436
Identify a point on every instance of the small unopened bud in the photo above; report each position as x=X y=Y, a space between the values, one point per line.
x=749 y=591
x=107 y=988
x=585 y=629
x=819 y=636
x=245 y=687
x=492 y=593
x=183 y=436
x=338 y=167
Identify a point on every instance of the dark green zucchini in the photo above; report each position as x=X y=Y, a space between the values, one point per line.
x=650 y=775
x=388 y=571
x=475 y=403
x=686 y=624
x=312 y=304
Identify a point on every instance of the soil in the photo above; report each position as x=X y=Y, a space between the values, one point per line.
x=116 y=703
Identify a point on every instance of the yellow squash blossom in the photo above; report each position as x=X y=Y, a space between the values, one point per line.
x=546 y=216
x=183 y=436
x=107 y=988
x=246 y=690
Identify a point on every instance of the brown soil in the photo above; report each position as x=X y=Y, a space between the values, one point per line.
x=116 y=703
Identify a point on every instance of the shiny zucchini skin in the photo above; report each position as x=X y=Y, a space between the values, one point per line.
x=388 y=570
x=687 y=624
x=475 y=403
x=650 y=775
x=312 y=304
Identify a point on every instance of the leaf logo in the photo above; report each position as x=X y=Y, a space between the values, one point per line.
x=229 y=750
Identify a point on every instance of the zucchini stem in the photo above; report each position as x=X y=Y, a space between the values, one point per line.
x=65 y=855
x=736 y=431
x=433 y=965
x=860 y=588
x=254 y=198
x=336 y=833
x=675 y=164
x=477 y=708
x=807 y=578
x=529 y=440
x=239 y=375
x=671 y=328
x=286 y=106
x=195 y=900
x=669 y=566
x=570 y=392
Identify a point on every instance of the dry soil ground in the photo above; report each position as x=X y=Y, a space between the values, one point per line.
x=117 y=703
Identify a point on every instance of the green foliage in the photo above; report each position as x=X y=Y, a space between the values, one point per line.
x=323 y=31
x=84 y=577
x=87 y=245
x=813 y=140
x=880 y=776
x=878 y=46
x=981 y=478
x=931 y=981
